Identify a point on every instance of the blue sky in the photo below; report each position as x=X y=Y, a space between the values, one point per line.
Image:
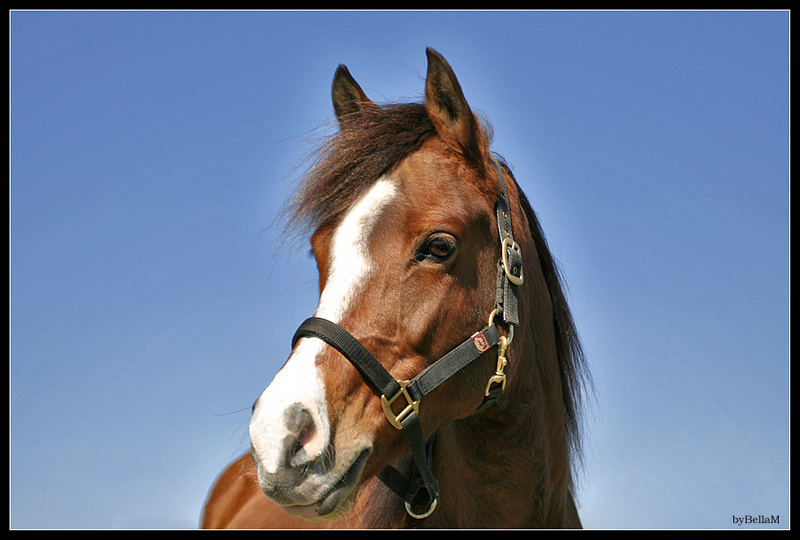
x=153 y=296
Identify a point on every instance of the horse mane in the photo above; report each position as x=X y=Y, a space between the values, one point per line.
x=352 y=159
x=362 y=151
x=574 y=374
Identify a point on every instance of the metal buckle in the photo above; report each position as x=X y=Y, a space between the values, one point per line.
x=510 y=243
x=412 y=405
x=426 y=514
x=499 y=376
x=495 y=379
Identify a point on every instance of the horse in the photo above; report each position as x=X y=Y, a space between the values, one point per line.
x=439 y=382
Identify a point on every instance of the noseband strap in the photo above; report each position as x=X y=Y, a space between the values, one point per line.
x=373 y=373
x=407 y=394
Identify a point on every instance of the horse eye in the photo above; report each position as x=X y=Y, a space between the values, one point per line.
x=437 y=248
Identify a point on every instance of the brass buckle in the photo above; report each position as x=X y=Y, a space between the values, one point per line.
x=411 y=405
x=510 y=243
x=499 y=376
x=495 y=379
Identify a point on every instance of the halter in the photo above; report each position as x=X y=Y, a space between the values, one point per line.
x=409 y=393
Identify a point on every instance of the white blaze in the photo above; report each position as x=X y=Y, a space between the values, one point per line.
x=299 y=381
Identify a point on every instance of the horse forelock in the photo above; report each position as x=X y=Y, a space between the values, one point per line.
x=354 y=158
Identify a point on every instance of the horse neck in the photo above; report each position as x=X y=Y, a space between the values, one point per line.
x=508 y=466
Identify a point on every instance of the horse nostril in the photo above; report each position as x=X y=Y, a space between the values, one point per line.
x=303 y=444
x=296 y=417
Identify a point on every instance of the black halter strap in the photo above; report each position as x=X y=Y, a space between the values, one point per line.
x=509 y=267
x=405 y=395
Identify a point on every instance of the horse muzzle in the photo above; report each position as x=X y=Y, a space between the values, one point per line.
x=314 y=490
x=299 y=467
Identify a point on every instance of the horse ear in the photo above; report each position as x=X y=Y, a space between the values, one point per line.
x=348 y=98
x=448 y=109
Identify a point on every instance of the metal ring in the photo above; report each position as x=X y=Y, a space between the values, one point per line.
x=510 y=327
x=426 y=514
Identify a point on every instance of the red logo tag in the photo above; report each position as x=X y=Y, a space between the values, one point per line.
x=480 y=341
